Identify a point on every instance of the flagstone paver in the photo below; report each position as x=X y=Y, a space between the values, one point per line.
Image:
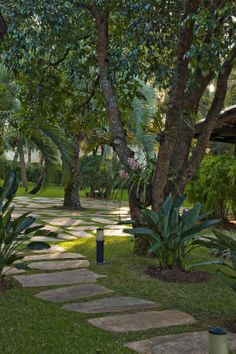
x=187 y=343
x=66 y=222
x=109 y=232
x=45 y=239
x=12 y=270
x=52 y=249
x=103 y=221
x=67 y=237
x=59 y=265
x=79 y=233
x=141 y=321
x=73 y=292
x=112 y=304
x=75 y=276
x=52 y=256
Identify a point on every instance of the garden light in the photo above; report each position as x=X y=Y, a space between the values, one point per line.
x=100 y=246
x=217 y=341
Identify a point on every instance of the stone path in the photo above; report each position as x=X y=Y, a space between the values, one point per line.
x=69 y=271
x=73 y=292
x=141 y=321
x=59 y=265
x=187 y=343
x=75 y=276
x=111 y=304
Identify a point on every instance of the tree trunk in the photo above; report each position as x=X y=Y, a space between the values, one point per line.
x=41 y=180
x=141 y=245
x=23 y=171
x=29 y=155
x=71 y=186
x=117 y=131
x=175 y=108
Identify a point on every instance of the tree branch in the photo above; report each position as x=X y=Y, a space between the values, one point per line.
x=211 y=118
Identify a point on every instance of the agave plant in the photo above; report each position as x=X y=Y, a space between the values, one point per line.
x=14 y=232
x=170 y=232
x=224 y=243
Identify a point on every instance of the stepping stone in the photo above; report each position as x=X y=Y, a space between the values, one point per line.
x=82 y=228
x=79 y=233
x=104 y=221
x=45 y=239
x=67 y=237
x=187 y=343
x=73 y=292
x=53 y=248
x=12 y=270
x=108 y=232
x=111 y=304
x=65 y=255
x=59 y=265
x=76 y=276
x=65 y=222
x=141 y=321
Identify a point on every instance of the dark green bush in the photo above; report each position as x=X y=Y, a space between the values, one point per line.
x=215 y=185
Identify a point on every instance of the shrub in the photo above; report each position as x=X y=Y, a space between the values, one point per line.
x=215 y=185
x=13 y=232
x=225 y=243
x=170 y=233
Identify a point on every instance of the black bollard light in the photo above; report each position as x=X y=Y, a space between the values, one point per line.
x=100 y=246
x=217 y=341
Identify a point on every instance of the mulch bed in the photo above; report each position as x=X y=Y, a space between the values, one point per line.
x=7 y=283
x=176 y=275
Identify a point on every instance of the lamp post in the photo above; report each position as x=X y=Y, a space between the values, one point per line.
x=217 y=341
x=100 y=246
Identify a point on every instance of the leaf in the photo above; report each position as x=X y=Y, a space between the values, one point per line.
x=227 y=279
x=208 y=263
x=139 y=231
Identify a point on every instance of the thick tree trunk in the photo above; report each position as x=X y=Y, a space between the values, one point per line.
x=141 y=245
x=117 y=131
x=23 y=171
x=175 y=109
x=71 y=186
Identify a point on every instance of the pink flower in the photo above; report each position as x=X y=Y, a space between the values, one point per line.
x=133 y=164
x=123 y=174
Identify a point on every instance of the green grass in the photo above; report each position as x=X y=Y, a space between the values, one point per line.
x=32 y=326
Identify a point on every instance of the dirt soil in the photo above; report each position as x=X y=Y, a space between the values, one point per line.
x=176 y=275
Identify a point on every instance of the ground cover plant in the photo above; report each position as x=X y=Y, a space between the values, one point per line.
x=15 y=231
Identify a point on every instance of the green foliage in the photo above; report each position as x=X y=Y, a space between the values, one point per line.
x=215 y=185
x=13 y=232
x=225 y=243
x=98 y=173
x=170 y=233
x=8 y=91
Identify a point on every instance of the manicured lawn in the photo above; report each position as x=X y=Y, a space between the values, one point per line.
x=32 y=326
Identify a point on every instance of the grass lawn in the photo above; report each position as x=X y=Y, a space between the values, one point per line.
x=32 y=326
